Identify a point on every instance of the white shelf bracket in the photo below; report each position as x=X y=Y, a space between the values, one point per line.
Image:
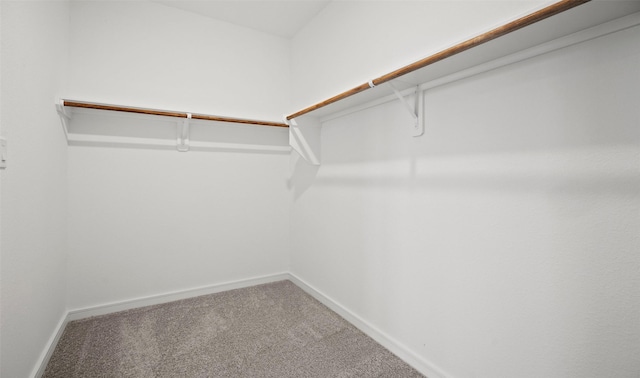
x=415 y=111
x=419 y=128
x=304 y=138
x=182 y=144
x=65 y=117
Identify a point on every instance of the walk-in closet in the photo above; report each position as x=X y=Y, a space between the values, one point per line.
x=322 y=188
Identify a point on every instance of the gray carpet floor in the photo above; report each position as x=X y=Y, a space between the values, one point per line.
x=271 y=330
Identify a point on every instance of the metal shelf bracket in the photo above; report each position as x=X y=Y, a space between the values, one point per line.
x=416 y=110
x=182 y=144
x=304 y=138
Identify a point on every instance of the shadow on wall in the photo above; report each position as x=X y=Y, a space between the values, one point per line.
x=580 y=171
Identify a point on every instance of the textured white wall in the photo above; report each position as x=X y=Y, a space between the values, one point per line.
x=145 y=222
x=34 y=39
x=145 y=54
x=502 y=243
x=352 y=42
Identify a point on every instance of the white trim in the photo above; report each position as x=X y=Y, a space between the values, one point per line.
x=150 y=300
x=394 y=346
x=46 y=354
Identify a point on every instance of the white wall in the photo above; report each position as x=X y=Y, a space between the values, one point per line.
x=145 y=54
x=34 y=218
x=146 y=222
x=502 y=243
x=352 y=42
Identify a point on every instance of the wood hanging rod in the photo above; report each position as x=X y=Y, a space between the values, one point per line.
x=500 y=31
x=165 y=113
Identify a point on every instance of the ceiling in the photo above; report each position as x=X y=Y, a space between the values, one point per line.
x=283 y=18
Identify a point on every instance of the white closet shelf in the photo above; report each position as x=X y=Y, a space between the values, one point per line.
x=168 y=113
x=553 y=22
x=556 y=26
x=96 y=124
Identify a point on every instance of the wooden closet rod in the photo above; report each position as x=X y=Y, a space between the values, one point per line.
x=165 y=113
x=500 y=31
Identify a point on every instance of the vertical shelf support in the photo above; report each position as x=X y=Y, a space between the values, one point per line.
x=183 y=134
x=65 y=117
x=415 y=111
x=419 y=128
x=304 y=138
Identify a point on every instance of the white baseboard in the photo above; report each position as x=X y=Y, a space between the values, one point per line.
x=38 y=371
x=401 y=351
x=109 y=308
x=420 y=364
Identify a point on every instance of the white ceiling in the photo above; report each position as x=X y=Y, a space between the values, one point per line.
x=283 y=18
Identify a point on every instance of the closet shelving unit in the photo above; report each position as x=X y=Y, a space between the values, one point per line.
x=96 y=124
x=559 y=25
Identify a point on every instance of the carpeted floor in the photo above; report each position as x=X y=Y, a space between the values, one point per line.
x=271 y=330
